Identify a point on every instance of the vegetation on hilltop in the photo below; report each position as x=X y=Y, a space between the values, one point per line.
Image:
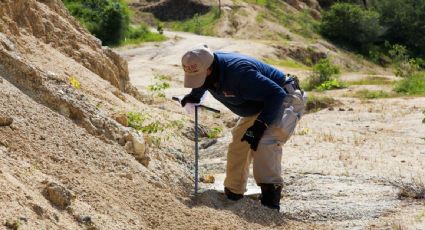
x=109 y=20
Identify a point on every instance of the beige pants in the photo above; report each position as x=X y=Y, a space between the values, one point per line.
x=267 y=158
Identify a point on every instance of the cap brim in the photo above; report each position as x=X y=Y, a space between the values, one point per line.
x=194 y=80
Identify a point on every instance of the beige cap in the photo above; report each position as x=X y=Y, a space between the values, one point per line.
x=195 y=64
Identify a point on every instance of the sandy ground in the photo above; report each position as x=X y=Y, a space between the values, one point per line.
x=341 y=165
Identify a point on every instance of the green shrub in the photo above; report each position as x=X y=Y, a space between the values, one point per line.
x=138 y=120
x=331 y=84
x=371 y=94
x=115 y=22
x=413 y=85
x=324 y=71
x=109 y=20
x=106 y=19
x=350 y=24
x=160 y=86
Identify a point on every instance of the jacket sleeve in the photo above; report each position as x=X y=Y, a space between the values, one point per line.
x=256 y=87
x=198 y=92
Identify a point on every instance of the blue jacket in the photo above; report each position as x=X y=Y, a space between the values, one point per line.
x=247 y=86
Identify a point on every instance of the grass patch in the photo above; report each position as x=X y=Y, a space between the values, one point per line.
x=371 y=80
x=325 y=76
x=199 y=24
x=154 y=127
x=289 y=63
x=138 y=121
x=158 y=88
x=215 y=132
x=413 y=189
x=372 y=94
x=317 y=103
x=331 y=84
x=258 y=2
x=413 y=85
x=140 y=34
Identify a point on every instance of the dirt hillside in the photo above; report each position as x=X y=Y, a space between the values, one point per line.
x=66 y=163
x=68 y=159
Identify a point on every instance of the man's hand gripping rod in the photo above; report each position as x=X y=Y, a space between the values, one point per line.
x=196 y=137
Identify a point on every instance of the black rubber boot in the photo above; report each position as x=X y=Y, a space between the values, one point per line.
x=231 y=195
x=270 y=195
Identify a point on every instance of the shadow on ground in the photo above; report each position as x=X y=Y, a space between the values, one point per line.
x=249 y=209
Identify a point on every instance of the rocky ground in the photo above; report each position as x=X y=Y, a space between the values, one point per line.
x=68 y=159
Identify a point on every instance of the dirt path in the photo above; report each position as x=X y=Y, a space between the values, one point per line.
x=341 y=164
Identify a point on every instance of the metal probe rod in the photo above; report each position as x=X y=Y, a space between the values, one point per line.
x=196 y=150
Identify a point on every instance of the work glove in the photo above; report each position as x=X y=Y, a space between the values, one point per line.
x=189 y=98
x=189 y=102
x=254 y=134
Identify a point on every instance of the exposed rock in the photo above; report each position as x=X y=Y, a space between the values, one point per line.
x=138 y=144
x=5 y=121
x=208 y=144
x=189 y=132
x=38 y=210
x=58 y=195
x=307 y=55
x=209 y=179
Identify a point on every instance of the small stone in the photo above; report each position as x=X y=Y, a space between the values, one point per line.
x=58 y=195
x=331 y=108
x=144 y=160
x=209 y=179
x=23 y=219
x=85 y=220
x=38 y=210
x=208 y=144
x=6 y=121
x=121 y=118
x=350 y=109
x=341 y=109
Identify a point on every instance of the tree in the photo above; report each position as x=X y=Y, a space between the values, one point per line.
x=404 y=21
x=351 y=24
x=108 y=20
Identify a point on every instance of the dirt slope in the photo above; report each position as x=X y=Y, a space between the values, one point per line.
x=66 y=163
